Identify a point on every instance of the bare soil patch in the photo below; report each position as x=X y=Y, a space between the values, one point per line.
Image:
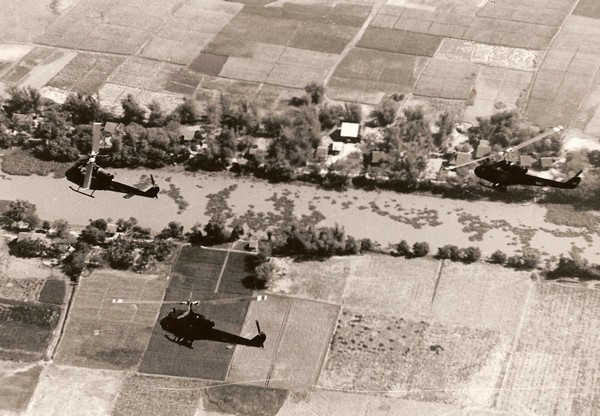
x=557 y=347
x=72 y=390
x=143 y=394
x=17 y=382
x=410 y=359
x=317 y=280
x=322 y=38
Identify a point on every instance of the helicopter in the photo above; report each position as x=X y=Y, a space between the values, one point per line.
x=87 y=175
x=503 y=173
x=188 y=326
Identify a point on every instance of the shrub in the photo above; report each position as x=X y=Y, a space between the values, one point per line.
x=315 y=91
x=471 y=255
x=385 y=113
x=366 y=245
x=403 y=249
x=527 y=261
x=498 y=257
x=420 y=249
x=448 y=251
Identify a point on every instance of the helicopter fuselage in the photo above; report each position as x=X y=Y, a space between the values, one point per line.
x=502 y=174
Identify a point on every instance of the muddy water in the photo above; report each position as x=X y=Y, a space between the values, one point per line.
x=385 y=217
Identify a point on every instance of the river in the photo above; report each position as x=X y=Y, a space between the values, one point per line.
x=383 y=216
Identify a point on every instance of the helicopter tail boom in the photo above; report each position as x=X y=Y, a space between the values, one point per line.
x=573 y=182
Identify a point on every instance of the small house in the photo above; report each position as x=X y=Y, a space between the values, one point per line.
x=546 y=162
x=23 y=120
x=321 y=153
x=347 y=133
x=377 y=156
x=483 y=149
x=462 y=158
x=526 y=161
x=336 y=148
x=113 y=128
x=111 y=229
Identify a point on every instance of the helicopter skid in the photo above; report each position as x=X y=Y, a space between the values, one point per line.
x=183 y=342
x=493 y=186
x=82 y=193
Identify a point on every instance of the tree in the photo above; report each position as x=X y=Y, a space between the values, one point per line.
x=385 y=113
x=403 y=249
x=330 y=115
x=498 y=257
x=133 y=112
x=156 y=117
x=20 y=211
x=84 y=109
x=194 y=236
x=92 y=235
x=126 y=225
x=120 y=254
x=172 y=230
x=527 y=261
x=448 y=251
x=445 y=124
x=420 y=249
x=186 y=112
x=352 y=113
x=366 y=245
x=594 y=158
x=61 y=228
x=215 y=231
x=27 y=248
x=315 y=92
x=471 y=255
x=22 y=100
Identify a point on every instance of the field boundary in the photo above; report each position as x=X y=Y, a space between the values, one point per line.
x=222 y=271
x=437 y=282
x=513 y=350
x=278 y=343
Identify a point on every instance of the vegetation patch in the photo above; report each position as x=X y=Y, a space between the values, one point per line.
x=22 y=162
x=175 y=194
x=26 y=328
x=244 y=400
x=53 y=292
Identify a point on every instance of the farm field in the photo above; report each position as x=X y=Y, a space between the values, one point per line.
x=483 y=56
x=298 y=334
x=18 y=381
x=201 y=274
x=26 y=329
x=73 y=390
x=554 y=363
x=103 y=335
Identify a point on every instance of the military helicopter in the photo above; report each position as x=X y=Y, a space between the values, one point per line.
x=87 y=175
x=503 y=173
x=188 y=326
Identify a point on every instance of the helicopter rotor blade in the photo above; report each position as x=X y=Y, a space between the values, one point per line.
x=539 y=137
x=187 y=302
x=96 y=137
x=89 y=169
x=535 y=139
